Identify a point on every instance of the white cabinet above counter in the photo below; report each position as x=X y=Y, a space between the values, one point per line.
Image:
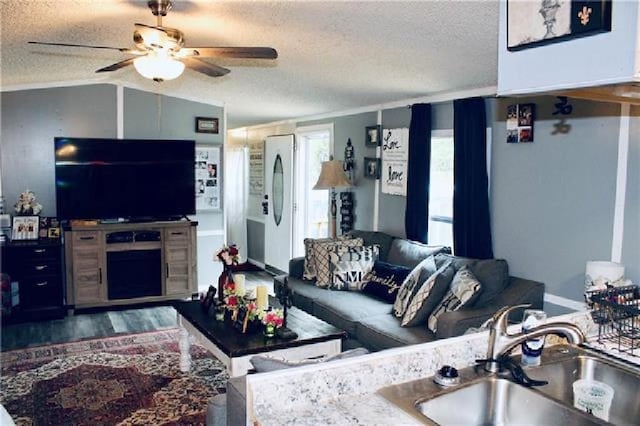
x=601 y=66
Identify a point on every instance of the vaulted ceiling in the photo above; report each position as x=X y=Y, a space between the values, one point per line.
x=333 y=55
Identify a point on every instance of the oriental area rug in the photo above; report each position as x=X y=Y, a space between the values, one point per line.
x=131 y=379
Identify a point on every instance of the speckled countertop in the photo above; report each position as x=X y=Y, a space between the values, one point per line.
x=344 y=392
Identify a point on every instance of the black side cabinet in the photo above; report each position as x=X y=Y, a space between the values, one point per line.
x=38 y=267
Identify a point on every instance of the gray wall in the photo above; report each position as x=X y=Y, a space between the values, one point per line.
x=552 y=200
x=30 y=121
x=32 y=118
x=631 y=242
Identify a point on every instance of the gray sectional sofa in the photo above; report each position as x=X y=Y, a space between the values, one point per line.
x=370 y=322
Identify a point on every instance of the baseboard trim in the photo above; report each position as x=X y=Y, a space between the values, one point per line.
x=255 y=262
x=563 y=301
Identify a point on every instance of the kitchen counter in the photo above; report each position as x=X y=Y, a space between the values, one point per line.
x=344 y=392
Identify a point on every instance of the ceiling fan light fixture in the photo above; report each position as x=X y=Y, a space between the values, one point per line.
x=158 y=68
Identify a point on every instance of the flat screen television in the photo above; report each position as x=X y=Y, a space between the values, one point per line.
x=134 y=179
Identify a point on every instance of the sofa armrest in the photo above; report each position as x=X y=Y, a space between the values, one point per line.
x=519 y=291
x=296 y=267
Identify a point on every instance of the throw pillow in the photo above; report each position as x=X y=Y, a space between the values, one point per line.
x=385 y=280
x=309 y=258
x=265 y=363
x=494 y=276
x=428 y=296
x=349 y=266
x=321 y=254
x=410 y=285
x=464 y=289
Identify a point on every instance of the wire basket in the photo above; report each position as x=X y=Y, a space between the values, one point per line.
x=616 y=310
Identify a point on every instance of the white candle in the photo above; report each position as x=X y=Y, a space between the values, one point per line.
x=239 y=281
x=262 y=297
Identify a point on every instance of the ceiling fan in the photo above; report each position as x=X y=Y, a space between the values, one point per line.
x=160 y=54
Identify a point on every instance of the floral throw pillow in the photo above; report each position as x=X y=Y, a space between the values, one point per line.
x=411 y=284
x=465 y=289
x=321 y=251
x=350 y=265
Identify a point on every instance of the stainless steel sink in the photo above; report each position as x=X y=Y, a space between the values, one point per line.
x=483 y=398
x=494 y=401
x=625 y=381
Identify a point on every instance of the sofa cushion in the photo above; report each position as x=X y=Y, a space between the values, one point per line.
x=412 y=283
x=465 y=288
x=428 y=296
x=410 y=253
x=384 y=331
x=492 y=273
x=344 y=308
x=494 y=276
x=266 y=363
x=384 y=280
x=350 y=265
x=371 y=238
x=321 y=251
x=303 y=293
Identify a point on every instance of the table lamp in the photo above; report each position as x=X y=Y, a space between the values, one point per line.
x=332 y=176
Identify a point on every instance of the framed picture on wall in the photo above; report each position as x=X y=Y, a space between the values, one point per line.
x=520 y=120
x=207 y=125
x=372 y=136
x=208 y=177
x=372 y=168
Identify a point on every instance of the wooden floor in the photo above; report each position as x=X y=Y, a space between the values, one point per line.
x=102 y=323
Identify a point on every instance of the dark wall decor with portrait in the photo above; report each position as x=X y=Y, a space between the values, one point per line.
x=520 y=119
x=535 y=23
x=372 y=136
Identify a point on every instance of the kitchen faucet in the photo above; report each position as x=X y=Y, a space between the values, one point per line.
x=501 y=343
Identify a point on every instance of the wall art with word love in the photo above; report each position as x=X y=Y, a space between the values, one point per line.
x=395 y=154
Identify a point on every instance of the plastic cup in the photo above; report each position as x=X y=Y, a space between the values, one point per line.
x=593 y=396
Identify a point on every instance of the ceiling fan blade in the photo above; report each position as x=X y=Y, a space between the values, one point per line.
x=149 y=27
x=205 y=67
x=120 y=49
x=230 y=52
x=117 y=65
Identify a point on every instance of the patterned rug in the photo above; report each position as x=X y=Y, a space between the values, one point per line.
x=125 y=380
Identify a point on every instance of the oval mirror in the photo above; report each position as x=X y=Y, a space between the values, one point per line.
x=277 y=190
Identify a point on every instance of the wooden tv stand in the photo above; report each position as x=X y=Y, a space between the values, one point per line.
x=163 y=252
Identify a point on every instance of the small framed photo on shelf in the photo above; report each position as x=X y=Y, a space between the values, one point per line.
x=207 y=125
x=372 y=168
x=53 y=232
x=25 y=228
x=372 y=136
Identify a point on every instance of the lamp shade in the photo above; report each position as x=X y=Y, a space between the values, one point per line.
x=332 y=176
x=158 y=67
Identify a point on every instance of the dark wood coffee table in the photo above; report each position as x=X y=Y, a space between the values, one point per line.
x=316 y=338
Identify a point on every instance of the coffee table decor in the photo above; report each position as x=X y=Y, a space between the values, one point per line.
x=272 y=319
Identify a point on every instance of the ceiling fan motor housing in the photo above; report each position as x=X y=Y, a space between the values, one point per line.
x=159 y=7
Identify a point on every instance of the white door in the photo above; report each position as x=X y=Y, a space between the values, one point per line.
x=278 y=222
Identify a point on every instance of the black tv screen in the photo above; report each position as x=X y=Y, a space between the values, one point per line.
x=124 y=178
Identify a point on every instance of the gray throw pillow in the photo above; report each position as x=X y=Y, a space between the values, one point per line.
x=266 y=363
x=465 y=287
x=411 y=285
x=428 y=296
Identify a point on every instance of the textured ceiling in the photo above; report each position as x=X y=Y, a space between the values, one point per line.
x=333 y=55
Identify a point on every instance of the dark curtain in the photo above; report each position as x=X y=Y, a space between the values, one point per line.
x=471 y=222
x=416 y=219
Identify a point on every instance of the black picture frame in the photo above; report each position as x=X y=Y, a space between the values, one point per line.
x=573 y=19
x=520 y=122
x=207 y=125
x=372 y=136
x=372 y=167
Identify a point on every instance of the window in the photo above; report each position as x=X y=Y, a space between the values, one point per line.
x=311 y=206
x=441 y=189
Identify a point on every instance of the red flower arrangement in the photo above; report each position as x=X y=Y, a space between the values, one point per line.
x=228 y=255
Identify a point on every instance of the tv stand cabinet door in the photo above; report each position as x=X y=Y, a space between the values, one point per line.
x=177 y=255
x=88 y=268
